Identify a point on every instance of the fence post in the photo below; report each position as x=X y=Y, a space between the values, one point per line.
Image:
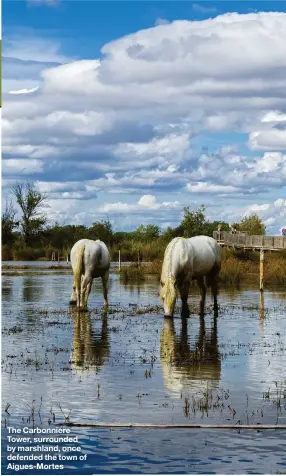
x=119 y=260
x=261 y=269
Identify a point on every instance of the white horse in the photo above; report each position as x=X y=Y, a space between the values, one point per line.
x=186 y=259
x=90 y=259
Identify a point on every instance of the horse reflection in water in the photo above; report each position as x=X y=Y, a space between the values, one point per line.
x=90 y=349
x=184 y=368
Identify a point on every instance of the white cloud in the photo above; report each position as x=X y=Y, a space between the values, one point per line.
x=273 y=116
x=205 y=187
x=273 y=139
x=23 y=166
x=24 y=91
x=257 y=208
x=146 y=202
x=128 y=122
x=272 y=135
x=280 y=203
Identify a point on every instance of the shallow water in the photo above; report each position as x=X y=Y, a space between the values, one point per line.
x=132 y=365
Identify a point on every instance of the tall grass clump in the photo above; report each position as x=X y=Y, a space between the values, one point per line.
x=6 y=253
x=275 y=268
x=232 y=271
x=21 y=252
x=129 y=250
x=238 y=267
x=132 y=273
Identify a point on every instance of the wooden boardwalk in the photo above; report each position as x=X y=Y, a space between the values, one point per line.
x=250 y=242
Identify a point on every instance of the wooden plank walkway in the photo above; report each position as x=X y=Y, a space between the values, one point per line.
x=252 y=242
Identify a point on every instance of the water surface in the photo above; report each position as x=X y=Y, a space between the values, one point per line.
x=132 y=365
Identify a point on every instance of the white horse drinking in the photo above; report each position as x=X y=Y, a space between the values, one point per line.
x=90 y=259
x=186 y=259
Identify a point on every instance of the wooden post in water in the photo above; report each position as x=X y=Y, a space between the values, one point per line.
x=58 y=257
x=261 y=307
x=261 y=274
x=119 y=260
x=53 y=256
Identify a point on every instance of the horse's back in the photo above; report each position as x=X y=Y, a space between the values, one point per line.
x=206 y=254
x=96 y=255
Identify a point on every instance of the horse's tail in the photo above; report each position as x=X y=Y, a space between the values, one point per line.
x=79 y=266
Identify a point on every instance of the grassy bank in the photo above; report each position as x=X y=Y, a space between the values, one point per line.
x=237 y=268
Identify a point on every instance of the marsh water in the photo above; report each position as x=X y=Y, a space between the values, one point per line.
x=131 y=365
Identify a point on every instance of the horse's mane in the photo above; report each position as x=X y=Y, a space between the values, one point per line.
x=169 y=280
x=168 y=257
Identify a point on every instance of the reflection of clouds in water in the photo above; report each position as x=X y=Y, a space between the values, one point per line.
x=90 y=349
x=262 y=367
x=186 y=369
x=254 y=358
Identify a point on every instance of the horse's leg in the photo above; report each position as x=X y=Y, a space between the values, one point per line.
x=203 y=291
x=184 y=292
x=78 y=295
x=212 y=281
x=73 y=298
x=105 y=278
x=85 y=290
x=214 y=289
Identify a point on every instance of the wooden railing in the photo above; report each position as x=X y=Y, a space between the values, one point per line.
x=242 y=240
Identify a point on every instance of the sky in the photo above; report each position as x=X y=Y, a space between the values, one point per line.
x=130 y=111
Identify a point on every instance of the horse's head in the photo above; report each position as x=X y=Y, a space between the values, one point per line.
x=168 y=295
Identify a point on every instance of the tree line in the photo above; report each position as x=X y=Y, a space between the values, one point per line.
x=29 y=235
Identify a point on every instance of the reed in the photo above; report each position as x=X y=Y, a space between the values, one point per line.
x=237 y=268
x=132 y=273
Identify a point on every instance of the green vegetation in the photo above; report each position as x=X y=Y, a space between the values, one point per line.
x=252 y=225
x=28 y=235
x=238 y=267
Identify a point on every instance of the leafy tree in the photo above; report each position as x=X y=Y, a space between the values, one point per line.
x=101 y=230
x=8 y=222
x=146 y=233
x=194 y=222
x=120 y=236
x=252 y=224
x=30 y=200
x=64 y=237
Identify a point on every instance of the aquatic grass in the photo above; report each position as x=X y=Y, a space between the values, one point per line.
x=132 y=273
x=238 y=267
x=233 y=271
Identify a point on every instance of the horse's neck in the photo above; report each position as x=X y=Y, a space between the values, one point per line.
x=169 y=260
